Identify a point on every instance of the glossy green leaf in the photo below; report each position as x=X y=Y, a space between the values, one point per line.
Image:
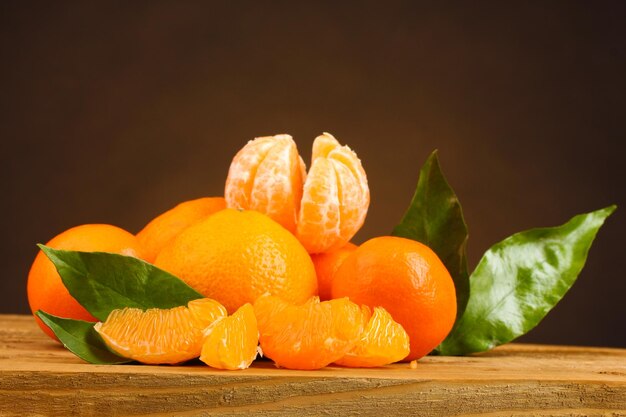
x=80 y=338
x=519 y=280
x=435 y=218
x=102 y=282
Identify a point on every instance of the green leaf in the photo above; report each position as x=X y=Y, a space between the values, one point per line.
x=102 y=282
x=80 y=338
x=519 y=280
x=435 y=218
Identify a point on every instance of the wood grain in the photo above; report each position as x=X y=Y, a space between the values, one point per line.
x=40 y=377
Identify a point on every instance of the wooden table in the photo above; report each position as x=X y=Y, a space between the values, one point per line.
x=39 y=377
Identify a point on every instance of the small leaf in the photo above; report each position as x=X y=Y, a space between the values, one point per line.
x=435 y=218
x=519 y=280
x=80 y=338
x=102 y=282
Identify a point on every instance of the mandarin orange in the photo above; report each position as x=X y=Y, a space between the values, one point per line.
x=235 y=256
x=326 y=265
x=45 y=288
x=409 y=281
x=165 y=227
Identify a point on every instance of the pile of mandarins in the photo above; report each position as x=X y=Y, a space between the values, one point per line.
x=274 y=260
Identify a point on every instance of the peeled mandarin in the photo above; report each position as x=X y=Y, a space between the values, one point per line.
x=324 y=209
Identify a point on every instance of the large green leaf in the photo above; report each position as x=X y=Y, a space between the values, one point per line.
x=102 y=282
x=435 y=218
x=519 y=280
x=80 y=338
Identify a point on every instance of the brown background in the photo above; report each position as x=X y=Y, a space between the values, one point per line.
x=113 y=112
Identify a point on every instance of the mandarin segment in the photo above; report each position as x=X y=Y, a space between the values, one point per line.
x=320 y=216
x=160 y=336
x=267 y=176
x=307 y=336
x=161 y=230
x=407 y=279
x=236 y=256
x=382 y=342
x=231 y=342
x=45 y=288
x=335 y=207
x=242 y=171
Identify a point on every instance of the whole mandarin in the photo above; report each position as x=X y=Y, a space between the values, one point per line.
x=165 y=227
x=45 y=288
x=235 y=256
x=326 y=265
x=407 y=279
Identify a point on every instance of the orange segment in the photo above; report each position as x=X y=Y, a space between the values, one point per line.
x=267 y=176
x=335 y=197
x=164 y=228
x=243 y=169
x=160 y=336
x=307 y=336
x=323 y=145
x=319 y=220
x=382 y=342
x=231 y=342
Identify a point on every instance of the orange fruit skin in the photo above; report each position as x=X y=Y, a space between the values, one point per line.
x=45 y=288
x=326 y=265
x=165 y=227
x=236 y=256
x=409 y=281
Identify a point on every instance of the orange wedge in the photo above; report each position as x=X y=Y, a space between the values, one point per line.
x=267 y=175
x=335 y=197
x=231 y=342
x=307 y=336
x=160 y=336
x=382 y=342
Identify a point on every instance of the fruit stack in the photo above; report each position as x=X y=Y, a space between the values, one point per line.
x=269 y=270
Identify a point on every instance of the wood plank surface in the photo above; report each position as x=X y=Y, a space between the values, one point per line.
x=39 y=377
